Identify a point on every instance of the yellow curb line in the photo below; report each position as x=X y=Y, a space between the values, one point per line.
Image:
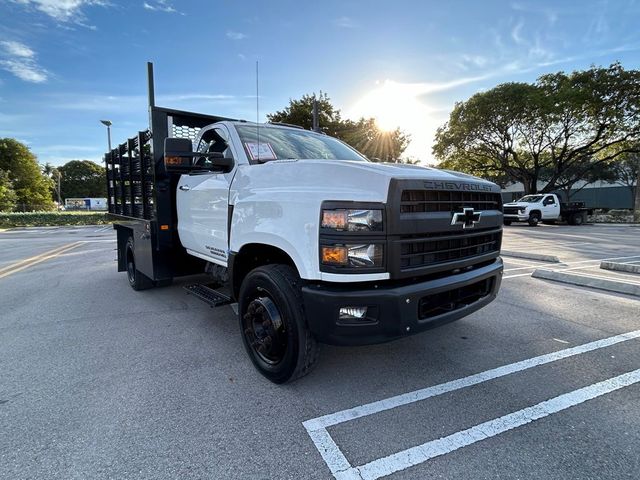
x=21 y=265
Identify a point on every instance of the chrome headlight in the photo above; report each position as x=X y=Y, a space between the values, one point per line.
x=355 y=220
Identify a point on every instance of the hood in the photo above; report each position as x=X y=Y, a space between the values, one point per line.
x=342 y=180
x=388 y=170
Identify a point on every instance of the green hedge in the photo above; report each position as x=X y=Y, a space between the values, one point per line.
x=43 y=219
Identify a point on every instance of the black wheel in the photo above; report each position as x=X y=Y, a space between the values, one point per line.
x=577 y=219
x=273 y=325
x=507 y=222
x=534 y=219
x=137 y=280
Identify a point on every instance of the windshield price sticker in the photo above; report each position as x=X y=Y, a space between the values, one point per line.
x=261 y=151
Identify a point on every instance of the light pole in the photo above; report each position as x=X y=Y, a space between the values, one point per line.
x=59 y=175
x=107 y=123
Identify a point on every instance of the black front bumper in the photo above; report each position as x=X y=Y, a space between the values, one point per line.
x=397 y=309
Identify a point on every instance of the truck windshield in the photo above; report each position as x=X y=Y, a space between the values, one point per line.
x=288 y=143
x=531 y=198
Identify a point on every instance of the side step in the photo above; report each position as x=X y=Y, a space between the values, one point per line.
x=208 y=295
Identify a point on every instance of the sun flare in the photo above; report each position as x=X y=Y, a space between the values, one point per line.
x=392 y=105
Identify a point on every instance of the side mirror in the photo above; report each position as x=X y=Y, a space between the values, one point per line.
x=177 y=147
x=179 y=154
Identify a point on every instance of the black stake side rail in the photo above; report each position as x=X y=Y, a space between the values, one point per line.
x=130 y=178
x=138 y=184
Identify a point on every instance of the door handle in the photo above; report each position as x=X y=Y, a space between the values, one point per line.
x=184 y=188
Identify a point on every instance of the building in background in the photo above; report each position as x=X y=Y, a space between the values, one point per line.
x=99 y=204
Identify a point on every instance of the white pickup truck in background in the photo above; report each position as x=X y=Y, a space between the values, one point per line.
x=545 y=208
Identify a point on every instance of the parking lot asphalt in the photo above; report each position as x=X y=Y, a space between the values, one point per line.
x=99 y=381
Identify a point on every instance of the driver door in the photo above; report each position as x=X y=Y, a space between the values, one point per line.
x=550 y=208
x=202 y=201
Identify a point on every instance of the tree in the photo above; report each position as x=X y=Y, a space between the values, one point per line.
x=32 y=189
x=298 y=112
x=376 y=144
x=562 y=126
x=53 y=173
x=627 y=172
x=363 y=135
x=596 y=171
x=7 y=194
x=82 y=178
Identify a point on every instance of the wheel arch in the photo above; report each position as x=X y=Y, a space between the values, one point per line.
x=123 y=234
x=253 y=255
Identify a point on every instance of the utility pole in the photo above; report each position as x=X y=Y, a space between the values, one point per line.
x=636 y=206
x=315 y=120
x=59 y=175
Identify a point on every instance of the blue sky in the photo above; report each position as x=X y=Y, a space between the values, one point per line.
x=66 y=64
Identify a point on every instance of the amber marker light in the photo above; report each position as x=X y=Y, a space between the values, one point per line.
x=334 y=255
x=173 y=161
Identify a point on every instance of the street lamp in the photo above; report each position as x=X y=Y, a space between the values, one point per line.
x=107 y=123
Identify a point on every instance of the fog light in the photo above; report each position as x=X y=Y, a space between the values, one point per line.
x=350 y=313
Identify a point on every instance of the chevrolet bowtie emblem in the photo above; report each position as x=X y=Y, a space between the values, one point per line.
x=468 y=218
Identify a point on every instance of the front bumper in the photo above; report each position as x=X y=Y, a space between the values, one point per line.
x=398 y=309
x=516 y=218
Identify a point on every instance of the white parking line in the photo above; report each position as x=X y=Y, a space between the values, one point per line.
x=337 y=462
x=595 y=262
x=435 y=448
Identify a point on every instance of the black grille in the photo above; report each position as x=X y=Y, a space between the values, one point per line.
x=417 y=201
x=427 y=251
x=444 y=302
x=511 y=210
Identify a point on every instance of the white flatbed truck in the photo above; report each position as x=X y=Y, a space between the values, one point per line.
x=313 y=242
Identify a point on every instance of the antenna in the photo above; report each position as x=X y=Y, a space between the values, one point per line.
x=257 y=111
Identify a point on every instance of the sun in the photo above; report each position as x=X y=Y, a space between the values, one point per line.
x=392 y=105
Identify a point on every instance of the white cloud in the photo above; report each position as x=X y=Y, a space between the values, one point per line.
x=63 y=10
x=344 y=22
x=235 y=35
x=134 y=103
x=20 y=60
x=476 y=60
x=161 y=6
x=25 y=70
x=516 y=33
x=17 y=49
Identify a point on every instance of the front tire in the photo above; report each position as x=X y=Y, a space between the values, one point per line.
x=534 y=219
x=273 y=324
x=507 y=222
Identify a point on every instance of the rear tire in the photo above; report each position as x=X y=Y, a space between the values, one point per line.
x=273 y=324
x=137 y=280
x=507 y=222
x=576 y=219
x=534 y=219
